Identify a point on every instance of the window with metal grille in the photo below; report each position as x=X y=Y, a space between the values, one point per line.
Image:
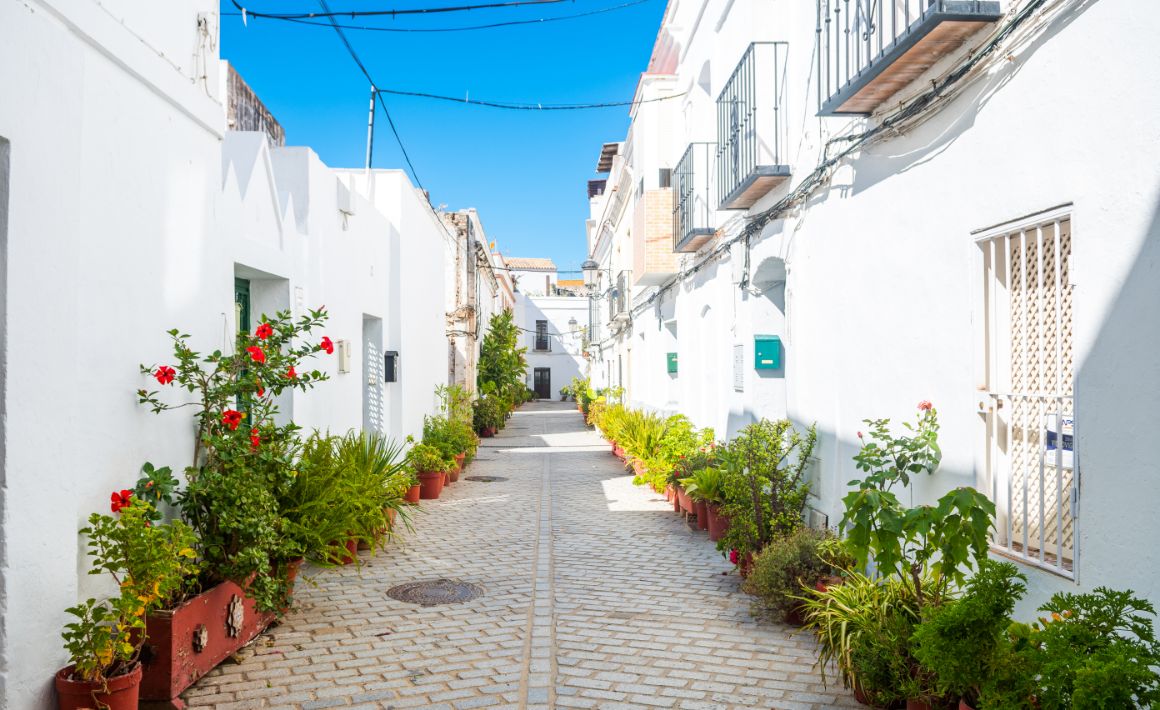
x=543 y=342
x=1032 y=466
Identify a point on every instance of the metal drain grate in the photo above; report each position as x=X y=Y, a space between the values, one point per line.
x=485 y=479
x=436 y=591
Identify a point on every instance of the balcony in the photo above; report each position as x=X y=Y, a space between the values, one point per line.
x=872 y=49
x=751 y=134
x=618 y=311
x=694 y=214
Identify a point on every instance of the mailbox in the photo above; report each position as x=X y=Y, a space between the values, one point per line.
x=672 y=363
x=766 y=352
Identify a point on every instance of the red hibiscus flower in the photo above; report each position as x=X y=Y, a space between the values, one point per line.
x=261 y=389
x=256 y=353
x=121 y=500
x=925 y=405
x=327 y=345
x=255 y=440
x=734 y=555
x=291 y=374
x=231 y=418
x=264 y=331
x=165 y=374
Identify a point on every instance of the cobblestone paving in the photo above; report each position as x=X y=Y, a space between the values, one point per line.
x=597 y=596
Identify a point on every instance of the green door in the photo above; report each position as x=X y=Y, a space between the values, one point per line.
x=242 y=304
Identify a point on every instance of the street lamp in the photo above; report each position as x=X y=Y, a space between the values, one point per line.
x=591 y=271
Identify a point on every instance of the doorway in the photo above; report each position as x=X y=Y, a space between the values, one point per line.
x=542 y=382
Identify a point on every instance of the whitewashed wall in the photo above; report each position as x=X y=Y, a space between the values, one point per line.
x=564 y=359
x=882 y=275
x=114 y=122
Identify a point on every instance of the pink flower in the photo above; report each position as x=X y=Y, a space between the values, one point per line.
x=925 y=405
x=859 y=435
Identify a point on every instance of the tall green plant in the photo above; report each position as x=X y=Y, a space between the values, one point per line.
x=947 y=538
x=502 y=364
x=765 y=486
x=243 y=458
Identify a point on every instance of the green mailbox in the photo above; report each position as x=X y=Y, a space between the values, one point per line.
x=766 y=352
x=672 y=361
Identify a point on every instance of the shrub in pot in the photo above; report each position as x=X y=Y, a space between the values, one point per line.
x=153 y=565
x=789 y=564
x=243 y=459
x=764 y=488
x=960 y=642
x=1094 y=650
x=488 y=415
x=429 y=465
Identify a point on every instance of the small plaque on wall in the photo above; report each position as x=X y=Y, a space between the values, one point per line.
x=739 y=368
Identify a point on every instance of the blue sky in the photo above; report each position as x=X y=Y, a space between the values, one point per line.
x=526 y=172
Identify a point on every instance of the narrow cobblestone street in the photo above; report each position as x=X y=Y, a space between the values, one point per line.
x=596 y=596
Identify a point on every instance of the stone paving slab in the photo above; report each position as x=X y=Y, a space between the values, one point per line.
x=596 y=596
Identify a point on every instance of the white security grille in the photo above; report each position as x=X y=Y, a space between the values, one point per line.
x=1031 y=459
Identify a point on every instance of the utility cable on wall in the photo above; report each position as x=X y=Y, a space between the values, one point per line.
x=911 y=113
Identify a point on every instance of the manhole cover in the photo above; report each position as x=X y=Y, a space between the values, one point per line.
x=434 y=592
x=485 y=479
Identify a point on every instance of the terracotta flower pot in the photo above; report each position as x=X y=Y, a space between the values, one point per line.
x=913 y=704
x=638 y=467
x=459 y=459
x=826 y=582
x=412 y=494
x=431 y=484
x=351 y=551
x=702 y=511
x=120 y=693
x=446 y=479
x=718 y=523
x=964 y=706
x=184 y=643
x=796 y=616
x=685 y=501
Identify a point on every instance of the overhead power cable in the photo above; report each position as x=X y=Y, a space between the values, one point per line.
x=366 y=73
x=467 y=28
x=524 y=106
x=394 y=12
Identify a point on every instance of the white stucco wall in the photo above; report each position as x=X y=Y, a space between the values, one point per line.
x=564 y=357
x=129 y=215
x=881 y=303
x=115 y=168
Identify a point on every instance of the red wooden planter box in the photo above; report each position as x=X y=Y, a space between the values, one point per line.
x=185 y=643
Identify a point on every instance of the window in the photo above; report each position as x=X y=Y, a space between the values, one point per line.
x=543 y=343
x=1031 y=463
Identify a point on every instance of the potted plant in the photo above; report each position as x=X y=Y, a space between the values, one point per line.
x=789 y=564
x=960 y=642
x=705 y=487
x=763 y=486
x=429 y=465
x=153 y=564
x=243 y=460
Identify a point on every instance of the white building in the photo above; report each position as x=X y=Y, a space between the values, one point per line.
x=879 y=203
x=532 y=276
x=476 y=289
x=127 y=209
x=553 y=331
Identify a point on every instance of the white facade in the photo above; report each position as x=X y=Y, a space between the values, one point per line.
x=553 y=332
x=127 y=210
x=876 y=283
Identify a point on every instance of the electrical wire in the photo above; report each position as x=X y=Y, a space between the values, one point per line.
x=910 y=112
x=386 y=13
x=522 y=106
x=467 y=28
x=366 y=73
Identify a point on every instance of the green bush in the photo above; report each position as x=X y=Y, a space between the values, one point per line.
x=960 y=641
x=425 y=458
x=705 y=484
x=788 y=564
x=765 y=488
x=488 y=413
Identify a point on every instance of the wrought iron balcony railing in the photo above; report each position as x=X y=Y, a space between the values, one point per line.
x=871 y=49
x=751 y=133
x=695 y=181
